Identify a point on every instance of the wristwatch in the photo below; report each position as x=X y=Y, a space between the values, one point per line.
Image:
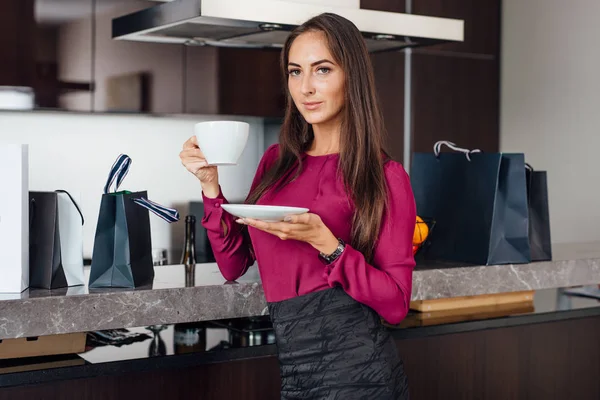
x=329 y=258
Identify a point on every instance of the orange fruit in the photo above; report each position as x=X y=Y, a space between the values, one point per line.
x=421 y=231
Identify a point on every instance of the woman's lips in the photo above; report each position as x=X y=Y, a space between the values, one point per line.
x=313 y=105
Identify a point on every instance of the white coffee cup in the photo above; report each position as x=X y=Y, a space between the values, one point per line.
x=222 y=142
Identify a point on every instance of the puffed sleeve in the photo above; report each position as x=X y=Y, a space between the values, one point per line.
x=231 y=248
x=386 y=284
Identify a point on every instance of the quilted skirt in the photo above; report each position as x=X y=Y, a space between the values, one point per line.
x=332 y=347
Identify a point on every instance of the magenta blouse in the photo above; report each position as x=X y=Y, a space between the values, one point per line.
x=290 y=268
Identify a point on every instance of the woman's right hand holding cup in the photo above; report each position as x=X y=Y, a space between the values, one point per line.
x=194 y=161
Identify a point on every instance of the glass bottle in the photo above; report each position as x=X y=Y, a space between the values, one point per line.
x=188 y=257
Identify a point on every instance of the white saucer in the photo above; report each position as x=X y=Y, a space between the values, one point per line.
x=263 y=213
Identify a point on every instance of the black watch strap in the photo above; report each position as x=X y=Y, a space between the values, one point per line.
x=329 y=258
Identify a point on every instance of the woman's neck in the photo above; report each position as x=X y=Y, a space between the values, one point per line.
x=326 y=139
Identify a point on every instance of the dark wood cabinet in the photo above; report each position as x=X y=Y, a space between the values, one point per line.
x=17 y=29
x=481 y=23
x=66 y=54
x=389 y=79
x=250 y=82
x=233 y=81
x=454 y=87
x=455 y=99
x=389 y=71
x=384 y=5
x=549 y=360
x=46 y=46
x=72 y=63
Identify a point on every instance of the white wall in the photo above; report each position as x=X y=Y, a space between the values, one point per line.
x=75 y=152
x=550 y=105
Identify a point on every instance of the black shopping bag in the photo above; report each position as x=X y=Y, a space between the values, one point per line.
x=48 y=268
x=122 y=254
x=479 y=203
x=539 y=215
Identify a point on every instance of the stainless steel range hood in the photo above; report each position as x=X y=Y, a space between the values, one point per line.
x=267 y=23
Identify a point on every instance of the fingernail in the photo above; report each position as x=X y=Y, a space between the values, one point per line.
x=239 y=221
x=287 y=219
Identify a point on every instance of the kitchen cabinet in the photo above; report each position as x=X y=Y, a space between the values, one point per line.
x=176 y=79
x=251 y=82
x=384 y=5
x=454 y=99
x=531 y=359
x=481 y=23
x=134 y=77
x=17 y=26
x=389 y=80
x=69 y=58
x=46 y=45
x=454 y=87
x=234 y=81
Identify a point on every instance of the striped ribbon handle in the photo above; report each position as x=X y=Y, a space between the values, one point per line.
x=168 y=214
x=438 y=146
x=118 y=171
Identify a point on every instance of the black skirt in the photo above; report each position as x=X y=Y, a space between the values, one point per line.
x=332 y=347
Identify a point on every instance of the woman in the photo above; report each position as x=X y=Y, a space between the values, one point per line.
x=330 y=273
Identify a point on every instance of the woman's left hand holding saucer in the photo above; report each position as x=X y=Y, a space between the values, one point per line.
x=307 y=227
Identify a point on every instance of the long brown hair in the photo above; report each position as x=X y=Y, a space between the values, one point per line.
x=361 y=141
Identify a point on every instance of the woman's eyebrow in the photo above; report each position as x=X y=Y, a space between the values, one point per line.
x=313 y=64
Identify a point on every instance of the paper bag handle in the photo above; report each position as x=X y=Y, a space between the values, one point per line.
x=74 y=203
x=32 y=208
x=529 y=168
x=168 y=214
x=118 y=171
x=438 y=146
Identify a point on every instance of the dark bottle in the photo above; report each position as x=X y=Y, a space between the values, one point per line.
x=188 y=257
x=189 y=337
x=157 y=345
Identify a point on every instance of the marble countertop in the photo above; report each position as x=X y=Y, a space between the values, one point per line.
x=172 y=298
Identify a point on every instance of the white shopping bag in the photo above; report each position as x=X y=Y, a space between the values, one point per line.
x=14 y=218
x=70 y=224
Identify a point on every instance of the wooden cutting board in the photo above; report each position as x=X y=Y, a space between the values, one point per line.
x=452 y=303
x=68 y=343
x=428 y=318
